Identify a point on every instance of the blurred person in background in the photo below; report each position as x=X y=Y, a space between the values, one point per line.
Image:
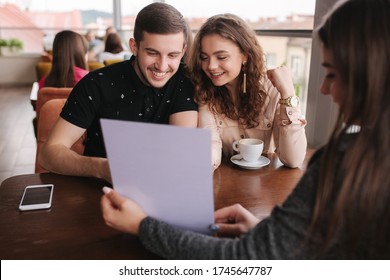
x=69 y=62
x=113 y=48
x=95 y=45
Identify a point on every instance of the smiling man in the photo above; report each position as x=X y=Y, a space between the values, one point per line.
x=150 y=87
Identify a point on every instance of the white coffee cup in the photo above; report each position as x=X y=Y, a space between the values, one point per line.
x=249 y=148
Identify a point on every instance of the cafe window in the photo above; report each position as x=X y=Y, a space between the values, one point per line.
x=284 y=29
x=296 y=65
x=270 y=58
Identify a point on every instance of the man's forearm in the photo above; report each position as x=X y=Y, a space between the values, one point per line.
x=62 y=160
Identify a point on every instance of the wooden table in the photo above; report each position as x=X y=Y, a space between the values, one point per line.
x=74 y=229
x=257 y=190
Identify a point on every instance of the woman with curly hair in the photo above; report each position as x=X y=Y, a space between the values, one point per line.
x=237 y=96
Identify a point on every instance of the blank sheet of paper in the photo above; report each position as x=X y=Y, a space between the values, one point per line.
x=166 y=169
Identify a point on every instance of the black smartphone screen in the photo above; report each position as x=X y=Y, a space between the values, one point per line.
x=37 y=195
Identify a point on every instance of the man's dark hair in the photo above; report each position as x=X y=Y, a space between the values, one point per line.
x=160 y=18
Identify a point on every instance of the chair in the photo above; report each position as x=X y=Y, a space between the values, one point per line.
x=48 y=93
x=45 y=94
x=48 y=116
x=34 y=94
x=93 y=65
x=47 y=56
x=42 y=68
x=111 y=61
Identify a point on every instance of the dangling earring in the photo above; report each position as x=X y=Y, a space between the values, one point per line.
x=244 y=80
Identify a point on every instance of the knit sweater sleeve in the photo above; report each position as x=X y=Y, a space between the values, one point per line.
x=280 y=236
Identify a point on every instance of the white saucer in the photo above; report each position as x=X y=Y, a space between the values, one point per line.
x=262 y=161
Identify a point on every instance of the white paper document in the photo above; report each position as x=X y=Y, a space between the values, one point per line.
x=166 y=169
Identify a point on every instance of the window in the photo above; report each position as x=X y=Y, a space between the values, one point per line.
x=296 y=65
x=271 y=60
x=284 y=30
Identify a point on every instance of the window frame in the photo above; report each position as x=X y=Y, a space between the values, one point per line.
x=321 y=111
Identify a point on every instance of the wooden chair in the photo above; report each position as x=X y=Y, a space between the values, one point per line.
x=93 y=65
x=48 y=116
x=111 y=61
x=42 y=68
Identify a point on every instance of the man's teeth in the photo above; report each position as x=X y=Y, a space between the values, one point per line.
x=159 y=74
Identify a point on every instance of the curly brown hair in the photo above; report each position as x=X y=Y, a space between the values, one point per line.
x=249 y=104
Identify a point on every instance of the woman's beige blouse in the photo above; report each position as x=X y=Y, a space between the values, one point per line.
x=282 y=132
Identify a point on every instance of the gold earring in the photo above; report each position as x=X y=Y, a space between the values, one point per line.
x=244 y=80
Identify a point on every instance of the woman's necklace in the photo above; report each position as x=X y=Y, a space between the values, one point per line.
x=241 y=128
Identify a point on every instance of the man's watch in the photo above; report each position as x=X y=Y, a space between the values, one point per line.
x=291 y=101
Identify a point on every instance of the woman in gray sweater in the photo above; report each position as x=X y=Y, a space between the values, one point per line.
x=340 y=208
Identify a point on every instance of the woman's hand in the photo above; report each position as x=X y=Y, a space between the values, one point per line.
x=234 y=220
x=281 y=78
x=121 y=213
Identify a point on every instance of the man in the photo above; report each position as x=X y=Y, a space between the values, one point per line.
x=150 y=87
x=95 y=45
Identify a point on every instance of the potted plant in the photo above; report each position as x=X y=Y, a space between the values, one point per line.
x=3 y=45
x=12 y=46
x=15 y=45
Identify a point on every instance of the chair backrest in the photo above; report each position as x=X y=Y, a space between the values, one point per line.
x=111 y=61
x=93 y=65
x=42 y=68
x=48 y=93
x=48 y=117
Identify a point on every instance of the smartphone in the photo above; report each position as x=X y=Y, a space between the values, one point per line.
x=36 y=197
